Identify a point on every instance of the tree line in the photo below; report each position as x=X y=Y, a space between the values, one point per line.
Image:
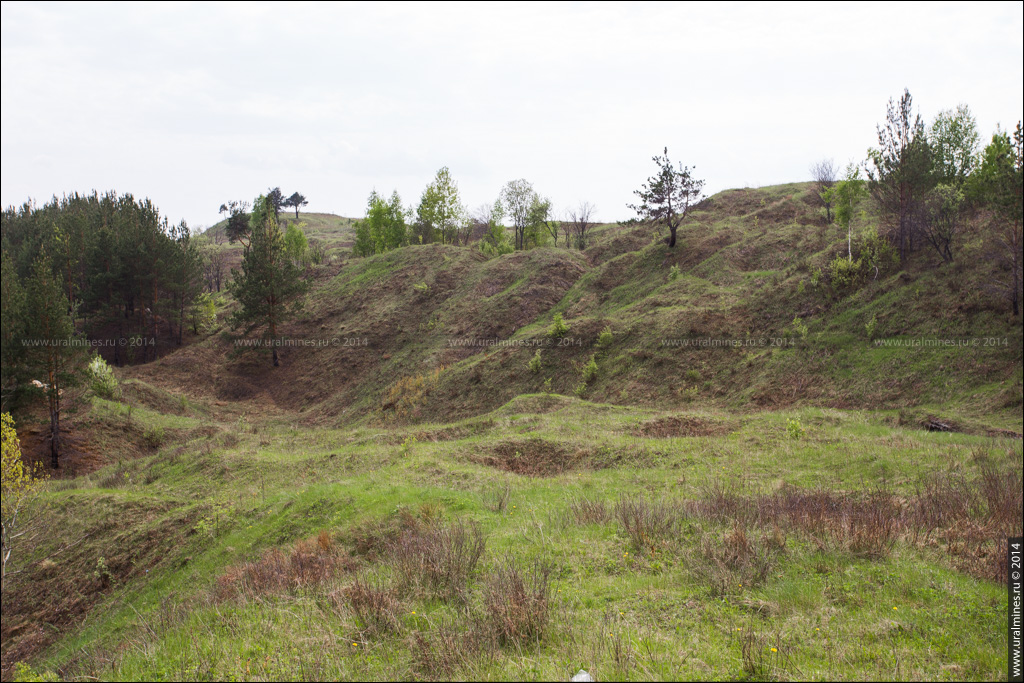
x=928 y=182
x=442 y=217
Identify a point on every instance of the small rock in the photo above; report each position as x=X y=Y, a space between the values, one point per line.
x=581 y=676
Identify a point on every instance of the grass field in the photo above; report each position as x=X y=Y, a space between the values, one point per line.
x=549 y=535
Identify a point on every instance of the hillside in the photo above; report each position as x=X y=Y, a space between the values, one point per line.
x=406 y=498
x=745 y=266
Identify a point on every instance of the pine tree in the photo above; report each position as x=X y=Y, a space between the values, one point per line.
x=53 y=353
x=668 y=196
x=268 y=288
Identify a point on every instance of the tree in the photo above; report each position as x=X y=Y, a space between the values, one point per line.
x=384 y=227
x=517 y=199
x=944 y=207
x=440 y=212
x=20 y=487
x=187 y=269
x=53 y=351
x=12 y=320
x=295 y=201
x=275 y=200
x=953 y=138
x=668 y=196
x=845 y=194
x=579 y=219
x=538 y=221
x=999 y=183
x=825 y=174
x=494 y=239
x=296 y=244
x=268 y=287
x=237 y=228
x=902 y=171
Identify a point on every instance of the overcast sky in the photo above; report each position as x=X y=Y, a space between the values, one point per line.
x=196 y=104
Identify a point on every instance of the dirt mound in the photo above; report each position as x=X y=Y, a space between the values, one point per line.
x=676 y=425
x=534 y=457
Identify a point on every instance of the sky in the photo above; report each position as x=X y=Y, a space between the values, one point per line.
x=193 y=105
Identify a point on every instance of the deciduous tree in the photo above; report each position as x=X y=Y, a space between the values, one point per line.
x=825 y=174
x=440 y=211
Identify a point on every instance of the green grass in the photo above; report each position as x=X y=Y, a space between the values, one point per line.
x=619 y=613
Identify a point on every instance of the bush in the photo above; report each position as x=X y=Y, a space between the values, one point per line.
x=203 y=313
x=516 y=603
x=534 y=365
x=604 y=339
x=673 y=272
x=102 y=380
x=590 y=371
x=794 y=429
x=558 y=327
x=870 y=325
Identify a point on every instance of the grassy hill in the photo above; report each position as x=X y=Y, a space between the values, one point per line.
x=405 y=497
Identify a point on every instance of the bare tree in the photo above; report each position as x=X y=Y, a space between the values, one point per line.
x=580 y=219
x=825 y=174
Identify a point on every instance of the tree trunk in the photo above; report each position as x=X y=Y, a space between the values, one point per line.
x=54 y=438
x=672 y=236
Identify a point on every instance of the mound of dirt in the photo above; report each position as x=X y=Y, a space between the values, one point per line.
x=678 y=425
x=534 y=457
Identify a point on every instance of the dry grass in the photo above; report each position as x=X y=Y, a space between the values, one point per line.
x=586 y=511
x=376 y=607
x=309 y=563
x=967 y=516
x=438 y=560
x=649 y=525
x=516 y=603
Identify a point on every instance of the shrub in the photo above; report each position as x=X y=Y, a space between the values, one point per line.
x=870 y=325
x=590 y=371
x=692 y=375
x=794 y=429
x=438 y=560
x=102 y=380
x=377 y=608
x=154 y=437
x=558 y=327
x=604 y=339
x=535 y=364
x=800 y=327
x=673 y=272
x=648 y=524
x=516 y=603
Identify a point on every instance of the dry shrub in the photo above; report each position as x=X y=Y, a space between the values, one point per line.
x=275 y=571
x=969 y=516
x=738 y=559
x=648 y=524
x=438 y=560
x=585 y=511
x=376 y=537
x=446 y=650
x=376 y=607
x=516 y=603
x=496 y=499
